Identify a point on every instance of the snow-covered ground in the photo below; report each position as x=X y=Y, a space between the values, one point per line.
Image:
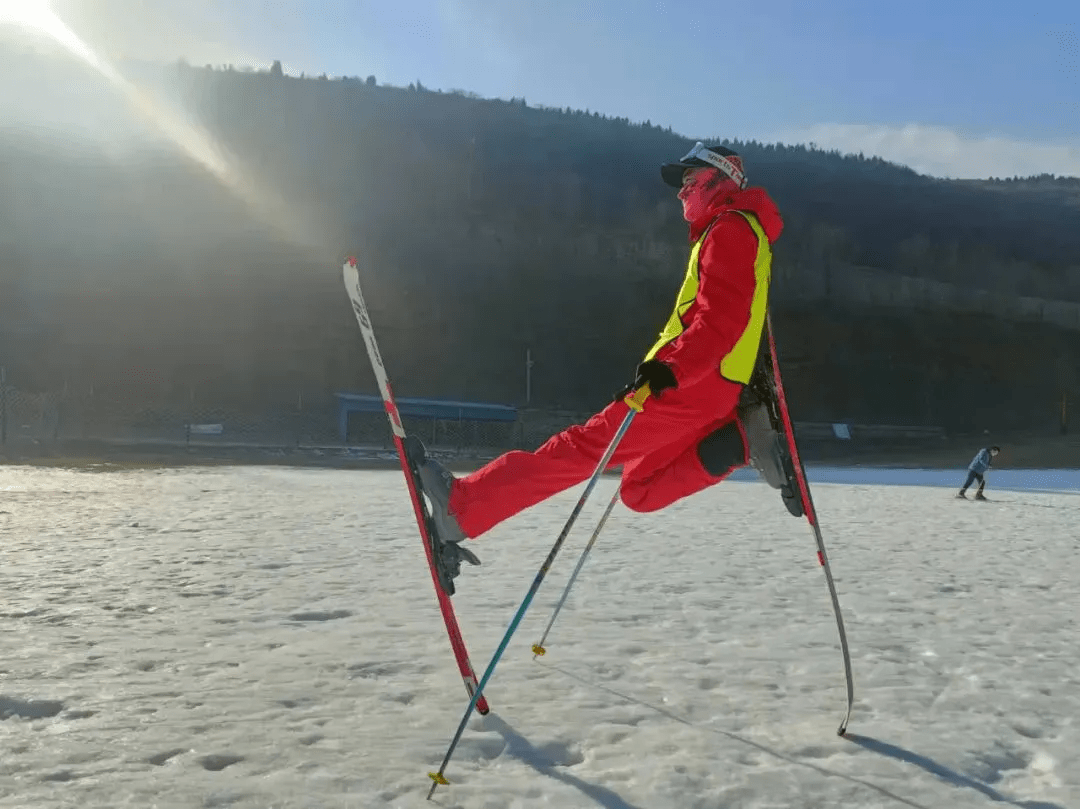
x=268 y=637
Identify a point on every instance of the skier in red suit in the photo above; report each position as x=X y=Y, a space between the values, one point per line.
x=692 y=432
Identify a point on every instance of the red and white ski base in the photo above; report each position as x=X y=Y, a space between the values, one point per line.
x=457 y=643
x=811 y=515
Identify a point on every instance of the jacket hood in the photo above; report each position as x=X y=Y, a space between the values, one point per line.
x=754 y=200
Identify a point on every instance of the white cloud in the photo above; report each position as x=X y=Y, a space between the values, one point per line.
x=940 y=152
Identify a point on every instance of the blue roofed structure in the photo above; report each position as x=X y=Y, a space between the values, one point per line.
x=434 y=409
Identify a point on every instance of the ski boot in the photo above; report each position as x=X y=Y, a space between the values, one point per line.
x=434 y=481
x=769 y=453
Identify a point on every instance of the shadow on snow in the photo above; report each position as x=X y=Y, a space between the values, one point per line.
x=867 y=743
x=522 y=749
x=941 y=771
x=749 y=742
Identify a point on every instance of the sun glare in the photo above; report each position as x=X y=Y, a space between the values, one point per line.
x=34 y=14
x=38 y=17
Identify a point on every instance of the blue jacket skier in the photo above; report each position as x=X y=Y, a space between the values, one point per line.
x=977 y=470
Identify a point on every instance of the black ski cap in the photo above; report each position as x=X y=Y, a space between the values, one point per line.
x=702 y=156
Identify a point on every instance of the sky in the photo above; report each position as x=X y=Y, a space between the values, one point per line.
x=953 y=89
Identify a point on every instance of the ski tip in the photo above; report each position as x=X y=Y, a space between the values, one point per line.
x=539 y=650
x=842 y=730
x=438 y=778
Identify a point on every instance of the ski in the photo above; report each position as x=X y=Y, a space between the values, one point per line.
x=781 y=417
x=407 y=454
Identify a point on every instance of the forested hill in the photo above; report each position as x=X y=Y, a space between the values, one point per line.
x=486 y=228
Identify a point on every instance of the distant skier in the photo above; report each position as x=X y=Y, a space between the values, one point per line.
x=977 y=470
x=693 y=431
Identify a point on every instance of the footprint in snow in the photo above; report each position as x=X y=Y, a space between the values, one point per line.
x=218 y=762
x=330 y=615
x=29 y=709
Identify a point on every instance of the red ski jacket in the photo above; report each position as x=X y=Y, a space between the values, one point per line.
x=720 y=312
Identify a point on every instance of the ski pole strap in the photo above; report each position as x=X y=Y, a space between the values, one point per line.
x=636 y=400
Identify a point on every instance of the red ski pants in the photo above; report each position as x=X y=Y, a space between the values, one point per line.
x=658 y=455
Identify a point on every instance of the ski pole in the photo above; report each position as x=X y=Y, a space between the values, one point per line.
x=538 y=649
x=636 y=403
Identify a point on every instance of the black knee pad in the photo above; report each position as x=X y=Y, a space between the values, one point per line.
x=722 y=450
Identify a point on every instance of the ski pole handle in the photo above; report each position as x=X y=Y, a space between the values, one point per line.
x=636 y=401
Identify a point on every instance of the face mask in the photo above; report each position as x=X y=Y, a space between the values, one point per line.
x=699 y=187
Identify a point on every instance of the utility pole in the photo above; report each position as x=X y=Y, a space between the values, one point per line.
x=528 y=375
x=469 y=179
x=3 y=405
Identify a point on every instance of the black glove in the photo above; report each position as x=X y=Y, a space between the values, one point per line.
x=656 y=374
